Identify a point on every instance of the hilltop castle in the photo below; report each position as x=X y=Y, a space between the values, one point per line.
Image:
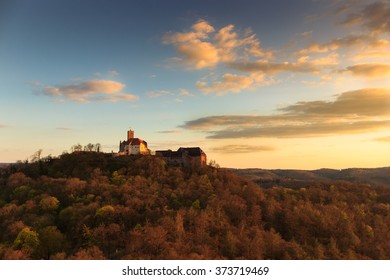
x=133 y=146
x=181 y=157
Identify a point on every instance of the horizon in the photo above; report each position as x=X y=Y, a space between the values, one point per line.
x=254 y=84
x=208 y=163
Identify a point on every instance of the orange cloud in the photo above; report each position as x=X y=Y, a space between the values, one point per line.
x=199 y=54
x=276 y=68
x=241 y=149
x=369 y=70
x=87 y=91
x=202 y=28
x=372 y=54
x=233 y=83
x=229 y=83
x=361 y=41
x=198 y=50
x=359 y=111
x=358 y=103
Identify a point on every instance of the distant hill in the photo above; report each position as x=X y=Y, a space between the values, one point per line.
x=302 y=178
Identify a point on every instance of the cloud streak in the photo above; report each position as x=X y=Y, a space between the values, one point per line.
x=359 y=111
x=369 y=70
x=159 y=93
x=169 y=131
x=241 y=149
x=361 y=41
x=88 y=91
x=233 y=83
x=275 y=68
x=180 y=93
x=383 y=139
x=64 y=128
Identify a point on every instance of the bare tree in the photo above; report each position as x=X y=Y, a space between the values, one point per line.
x=98 y=147
x=89 y=147
x=76 y=148
x=36 y=156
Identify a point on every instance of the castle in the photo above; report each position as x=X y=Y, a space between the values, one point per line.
x=181 y=157
x=133 y=146
x=184 y=156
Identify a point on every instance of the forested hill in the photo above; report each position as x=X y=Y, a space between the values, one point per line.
x=291 y=178
x=89 y=205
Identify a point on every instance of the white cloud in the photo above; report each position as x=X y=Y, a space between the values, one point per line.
x=179 y=94
x=184 y=92
x=113 y=73
x=158 y=93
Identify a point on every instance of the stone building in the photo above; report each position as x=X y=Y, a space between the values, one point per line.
x=183 y=156
x=133 y=146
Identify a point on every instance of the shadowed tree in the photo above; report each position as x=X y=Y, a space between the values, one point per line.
x=51 y=241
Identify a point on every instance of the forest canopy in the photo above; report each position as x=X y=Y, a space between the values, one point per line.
x=90 y=205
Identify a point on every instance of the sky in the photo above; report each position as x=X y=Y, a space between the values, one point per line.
x=301 y=84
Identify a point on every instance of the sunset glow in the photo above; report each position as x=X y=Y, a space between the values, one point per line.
x=253 y=83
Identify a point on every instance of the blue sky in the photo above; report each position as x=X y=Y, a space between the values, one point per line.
x=272 y=84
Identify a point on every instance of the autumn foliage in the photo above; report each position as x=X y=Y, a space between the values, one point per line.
x=90 y=205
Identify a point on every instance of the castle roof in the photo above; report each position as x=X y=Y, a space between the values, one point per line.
x=169 y=153
x=135 y=141
x=193 y=152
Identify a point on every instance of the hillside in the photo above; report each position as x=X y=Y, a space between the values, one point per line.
x=89 y=205
x=299 y=178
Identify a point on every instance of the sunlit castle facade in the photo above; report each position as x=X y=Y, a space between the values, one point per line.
x=133 y=146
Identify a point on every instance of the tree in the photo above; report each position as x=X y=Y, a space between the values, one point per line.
x=76 y=148
x=18 y=179
x=214 y=164
x=98 y=147
x=52 y=241
x=89 y=147
x=27 y=239
x=36 y=156
x=91 y=253
x=49 y=203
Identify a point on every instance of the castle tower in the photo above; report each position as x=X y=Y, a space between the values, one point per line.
x=130 y=134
